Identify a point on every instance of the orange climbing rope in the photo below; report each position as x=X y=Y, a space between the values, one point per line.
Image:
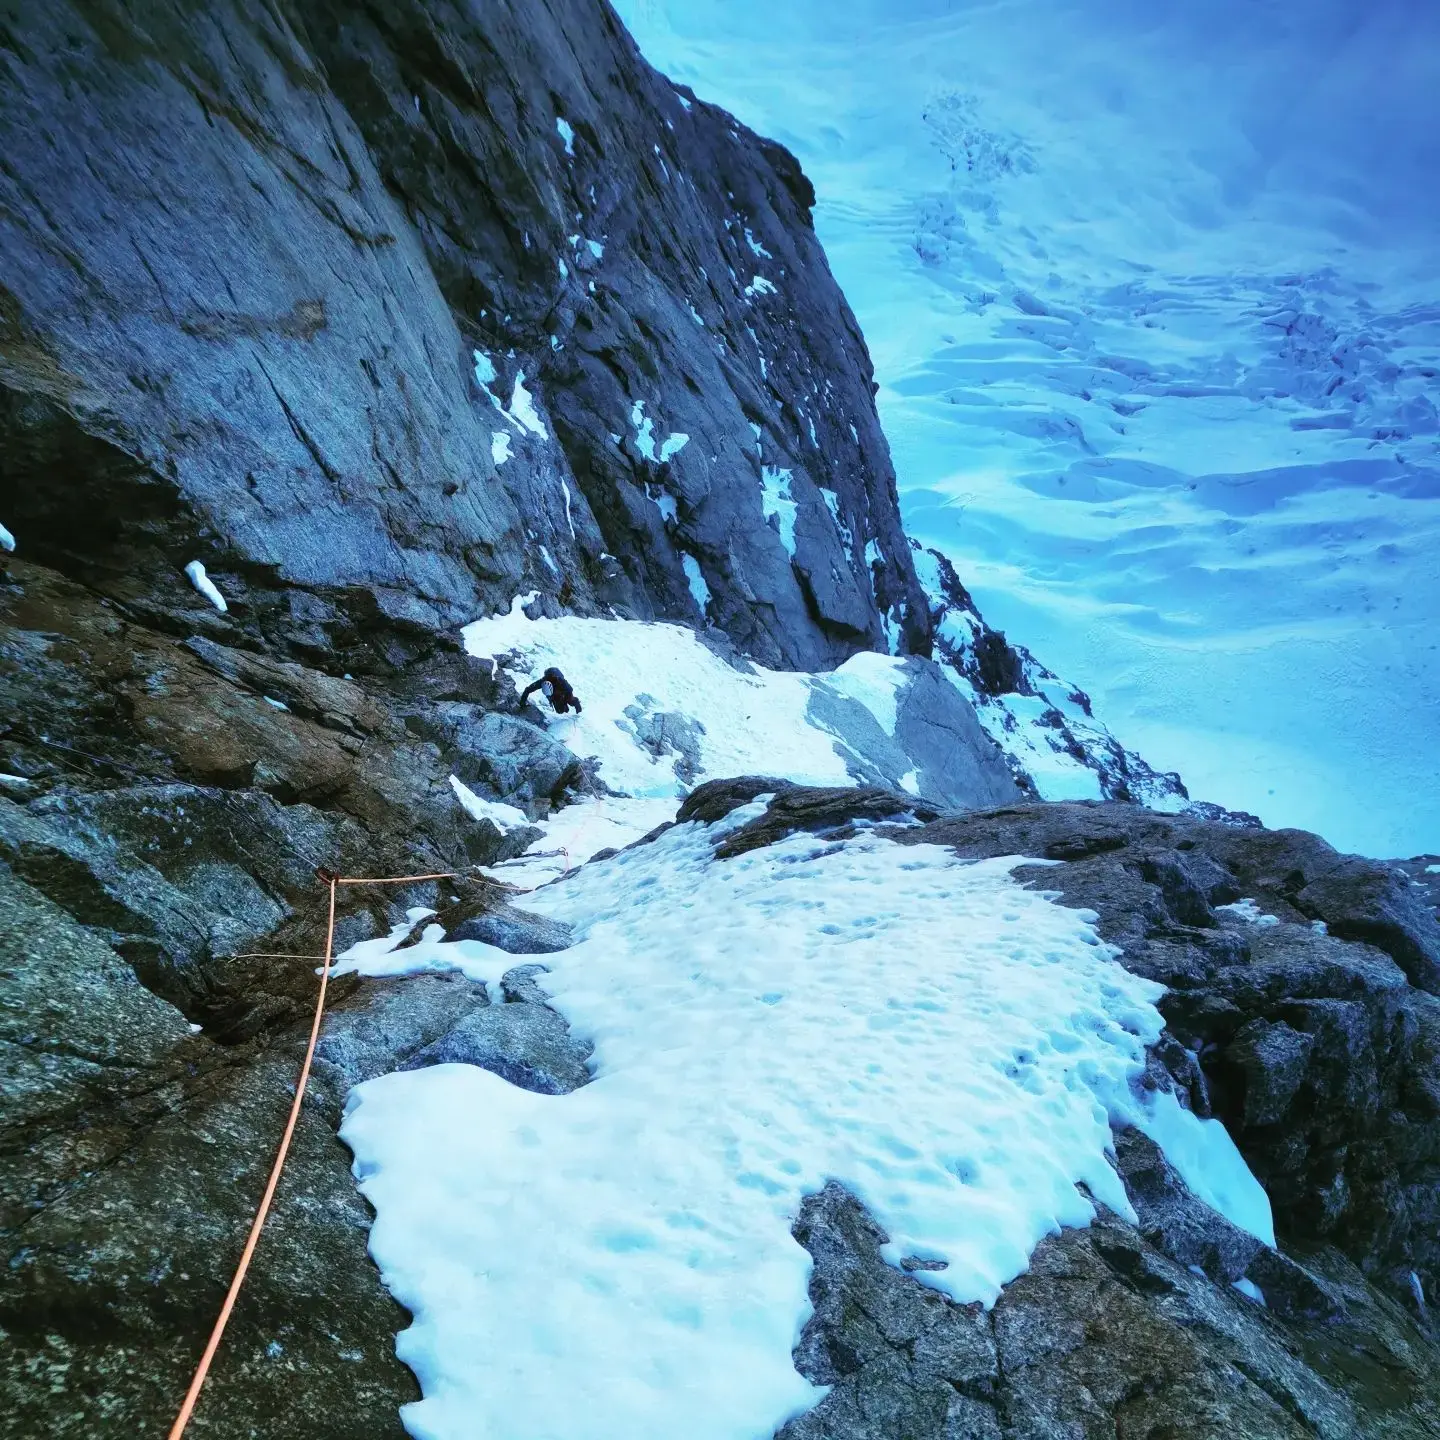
x=193 y=1394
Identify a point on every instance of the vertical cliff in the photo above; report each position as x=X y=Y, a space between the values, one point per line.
x=400 y=309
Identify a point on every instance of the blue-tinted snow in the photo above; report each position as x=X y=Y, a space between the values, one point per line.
x=698 y=588
x=949 y=1045
x=1151 y=296
x=777 y=501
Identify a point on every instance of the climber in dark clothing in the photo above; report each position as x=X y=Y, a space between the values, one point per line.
x=557 y=691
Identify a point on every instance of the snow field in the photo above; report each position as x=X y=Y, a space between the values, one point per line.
x=752 y=724
x=616 y=1264
x=1150 y=296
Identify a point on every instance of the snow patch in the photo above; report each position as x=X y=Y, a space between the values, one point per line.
x=1208 y=1162
x=698 y=588
x=644 y=430
x=522 y=408
x=832 y=503
x=7 y=540
x=566 y=132
x=500 y=446
x=776 y=501
x=504 y=817
x=569 y=514
x=1248 y=911
x=203 y=583
x=876 y=682
x=485 y=371
x=753 y=724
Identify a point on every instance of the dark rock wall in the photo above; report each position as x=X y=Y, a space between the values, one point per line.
x=248 y=255
x=270 y=276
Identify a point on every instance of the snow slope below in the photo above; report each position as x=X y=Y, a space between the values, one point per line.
x=616 y=1263
x=1150 y=293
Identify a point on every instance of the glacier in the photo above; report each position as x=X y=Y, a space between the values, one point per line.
x=1150 y=293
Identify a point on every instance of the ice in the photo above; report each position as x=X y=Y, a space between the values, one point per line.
x=617 y=1263
x=1250 y=1290
x=569 y=513
x=274 y=704
x=596 y=249
x=669 y=509
x=1151 y=299
x=698 y=588
x=500 y=446
x=1432 y=869
x=7 y=540
x=203 y=583
x=672 y=445
x=566 y=132
x=776 y=501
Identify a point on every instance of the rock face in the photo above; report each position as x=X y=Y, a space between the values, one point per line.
x=1055 y=745
x=397 y=310
x=381 y=314
x=385 y=313
x=135 y=1151
x=1305 y=1017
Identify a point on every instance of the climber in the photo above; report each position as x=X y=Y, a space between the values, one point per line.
x=557 y=691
